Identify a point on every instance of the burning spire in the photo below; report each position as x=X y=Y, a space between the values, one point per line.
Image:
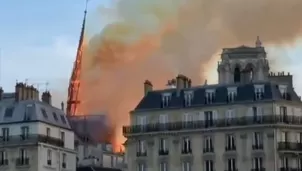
x=73 y=101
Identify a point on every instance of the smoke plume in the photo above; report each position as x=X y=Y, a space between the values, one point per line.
x=157 y=39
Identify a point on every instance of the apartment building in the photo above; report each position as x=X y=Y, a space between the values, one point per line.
x=251 y=120
x=35 y=136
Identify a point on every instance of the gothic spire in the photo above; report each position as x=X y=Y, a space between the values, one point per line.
x=258 y=42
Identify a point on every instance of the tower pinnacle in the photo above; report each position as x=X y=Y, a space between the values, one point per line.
x=258 y=42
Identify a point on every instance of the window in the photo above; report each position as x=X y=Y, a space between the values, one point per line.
x=141 y=167
x=55 y=116
x=257 y=163
x=166 y=97
x=208 y=145
x=257 y=141
x=49 y=157
x=163 y=166
x=64 y=160
x=25 y=132
x=44 y=113
x=283 y=91
x=3 y=158
x=187 y=118
x=186 y=146
x=23 y=159
x=232 y=94
x=259 y=92
x=284 y=136
x=163 y=119
x=63 y=119
x=188 y=98
x=141 y=151
x=9 y=112
x=231 y=164
x=163 y=146
x=230 y=115
x=5 y=134
x=209 y=118
x=210 y=96
x=283 y=113
x=230 y=142
x=299 y=163
x=62 y=136
x=237 y=75
x=186 y=166
x=257 y=114
x=208 y=165
x=29 y=111
x=284 y=162
x=48 y=132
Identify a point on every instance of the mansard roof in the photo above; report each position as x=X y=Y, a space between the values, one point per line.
x=245 y=93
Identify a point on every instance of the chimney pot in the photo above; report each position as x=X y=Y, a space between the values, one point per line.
x=62 y=106
x=147 y=87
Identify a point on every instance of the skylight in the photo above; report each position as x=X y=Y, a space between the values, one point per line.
x=55 y=116
x=63 y=119
x=9 y=112
x=44 y=113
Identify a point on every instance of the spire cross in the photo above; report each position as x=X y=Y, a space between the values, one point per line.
x=86 y=6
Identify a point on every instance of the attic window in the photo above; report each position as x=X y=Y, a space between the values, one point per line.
x=283 y=91
x=63 y=119
x=232 y=94
x=55 y=116
x=188 y=98
x=9 y=112
x=166 y=98
x=44 y=113
x=259 y=92
x=210 y=96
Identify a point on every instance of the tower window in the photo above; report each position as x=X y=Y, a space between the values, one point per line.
x=237 y=75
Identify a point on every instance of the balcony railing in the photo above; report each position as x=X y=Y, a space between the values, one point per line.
x=22 y=161
x=289 y=169
x=3 y=162
x=163 y=152
x=220 y=123
x=290 y=146
x=31 y=139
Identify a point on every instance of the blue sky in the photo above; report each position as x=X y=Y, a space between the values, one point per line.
x=38 y=41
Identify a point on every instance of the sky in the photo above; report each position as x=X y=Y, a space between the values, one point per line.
x=38 y=41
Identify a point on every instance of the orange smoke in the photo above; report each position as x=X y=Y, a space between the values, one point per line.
x=158 y=39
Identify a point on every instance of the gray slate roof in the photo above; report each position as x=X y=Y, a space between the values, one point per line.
x=245 y=93
x=30 y=111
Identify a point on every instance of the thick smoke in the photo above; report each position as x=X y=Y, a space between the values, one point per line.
x=160 y=38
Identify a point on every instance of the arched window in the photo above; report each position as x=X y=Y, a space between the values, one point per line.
x=237 y=75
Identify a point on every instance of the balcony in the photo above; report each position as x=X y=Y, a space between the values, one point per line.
x=186 y=151
x=22 y=161
x=208 y=150
x=163 y=152
x=257 y=146
x=289 y=169
x=230 y=148
x=289 y=146
x=220 y=123
x=258 y=169
x=30 y=139
x=4 y=162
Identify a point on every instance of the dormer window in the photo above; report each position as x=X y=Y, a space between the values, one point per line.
x=232 y=94
x=166 y=98
x=210 y=96
x=259 y=92
x=283 y=91
x=188 y=98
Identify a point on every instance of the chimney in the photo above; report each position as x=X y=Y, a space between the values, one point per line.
x=19 y=91
x=1 y=93
x=147 y=87
x=181 y=81
x=46 y=97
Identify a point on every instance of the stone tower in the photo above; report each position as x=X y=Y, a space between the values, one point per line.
x=243 y=64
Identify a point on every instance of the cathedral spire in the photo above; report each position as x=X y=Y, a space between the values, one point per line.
x=74 y=99
x=258 y=42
